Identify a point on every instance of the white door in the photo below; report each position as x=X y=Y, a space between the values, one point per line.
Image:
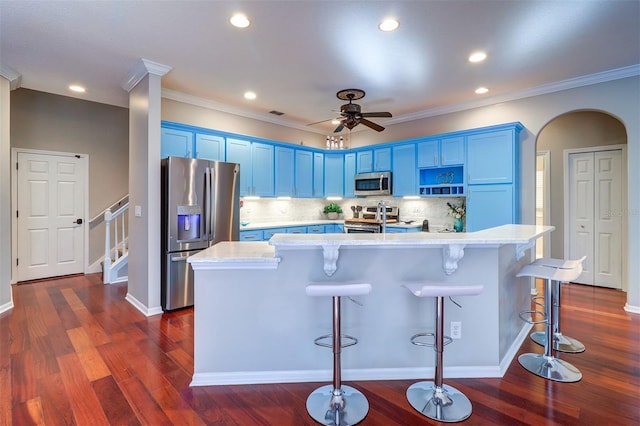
x=50 y=222
x=595 y=222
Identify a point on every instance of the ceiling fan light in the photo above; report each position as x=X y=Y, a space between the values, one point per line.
x=335 y=121
x=388 y=25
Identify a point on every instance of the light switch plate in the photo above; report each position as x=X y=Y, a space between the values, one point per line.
x=137 y=210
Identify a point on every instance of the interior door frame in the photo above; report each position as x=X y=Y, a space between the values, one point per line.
x=84 y=164
x=624 y=209
x=546 y=159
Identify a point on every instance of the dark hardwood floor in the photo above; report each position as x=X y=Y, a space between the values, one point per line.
x=73 y=351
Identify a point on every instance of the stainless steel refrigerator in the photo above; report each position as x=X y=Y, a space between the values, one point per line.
x=200 y=207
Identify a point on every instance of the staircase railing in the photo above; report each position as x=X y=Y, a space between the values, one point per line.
x=116 y=226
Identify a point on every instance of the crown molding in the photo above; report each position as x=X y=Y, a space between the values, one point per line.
x=142 y=68
x=14 y=77
x=572 y=83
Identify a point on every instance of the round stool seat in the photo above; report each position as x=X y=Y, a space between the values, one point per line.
x=434 y=399
x=550 y=273
x=333 y=289
x=559 y=263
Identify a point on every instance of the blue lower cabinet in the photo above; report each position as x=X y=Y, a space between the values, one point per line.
x=334 y=228
x=297 y=230
x=254 y=235
x=316 y=229
x=394 y=230
x=268 y=233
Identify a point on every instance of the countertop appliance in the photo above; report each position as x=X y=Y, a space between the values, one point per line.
x=377 y=183
x=368 y=223
x=200 y=202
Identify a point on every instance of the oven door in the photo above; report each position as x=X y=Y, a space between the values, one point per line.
x=362 y=228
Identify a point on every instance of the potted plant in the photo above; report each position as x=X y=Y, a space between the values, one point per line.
x=332 y=210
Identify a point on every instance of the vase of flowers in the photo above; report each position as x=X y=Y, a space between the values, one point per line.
x=332 y=210
x=458 y=213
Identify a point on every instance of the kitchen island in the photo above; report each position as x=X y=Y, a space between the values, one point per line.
x=255 y=324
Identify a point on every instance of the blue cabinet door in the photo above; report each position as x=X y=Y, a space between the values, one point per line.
x=316 y=229
x=382 y=159
x=318 y=174
x=239 y=151
x=268 y=233
x=296 y=230
x=284 y=170
x=334 y=175
x=303 y=186
x=210 y=147
x=404 y=177
x=349 y=175
x=489 y=206
x=490 y=157
x=251 y=235
x=175 y=143
x=428 y=154
x=364 y=161
x=263 y=171
x=452 y=151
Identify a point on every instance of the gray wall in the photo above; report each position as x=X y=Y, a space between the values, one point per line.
x=49 y=122
x=573 y=130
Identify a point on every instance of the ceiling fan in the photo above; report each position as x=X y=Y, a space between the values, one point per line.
x=351 y=114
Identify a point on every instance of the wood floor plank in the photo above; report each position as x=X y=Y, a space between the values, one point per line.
x=139 y=369
x=84 y=402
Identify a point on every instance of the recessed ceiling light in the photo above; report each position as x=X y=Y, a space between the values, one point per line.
x=389 y=24
x=76 y=88
x=477 y=57
x=240 y=20
x=481 y=90
x=250 y=95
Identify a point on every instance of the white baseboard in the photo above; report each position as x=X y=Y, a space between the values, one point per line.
x=147 y=312
x=7 y=306
x=95 y=267
x=632 y=309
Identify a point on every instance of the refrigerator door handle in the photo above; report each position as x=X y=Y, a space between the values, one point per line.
x=211 y=205
x=179 y=258
x=207 y=203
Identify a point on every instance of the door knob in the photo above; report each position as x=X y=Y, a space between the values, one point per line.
x=78 y=221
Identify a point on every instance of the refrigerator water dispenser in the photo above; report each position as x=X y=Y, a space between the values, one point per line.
x=189 y=219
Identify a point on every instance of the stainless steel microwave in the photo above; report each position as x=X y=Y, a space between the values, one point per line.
x=376 y=183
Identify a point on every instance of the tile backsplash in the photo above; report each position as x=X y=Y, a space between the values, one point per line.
x=300 y=209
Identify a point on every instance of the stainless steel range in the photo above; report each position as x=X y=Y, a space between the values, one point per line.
x=371 y=220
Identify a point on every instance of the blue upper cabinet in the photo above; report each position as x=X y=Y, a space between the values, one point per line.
x=492 y=177
x=210 y=147
x=175 y=143
x=452 y=151
x=334 y=175
x=284 y=172
x=382 y=160
x=256 y=166
x=491 y=157
x=441 y=152
x=303 y=181
x=364 y=161
x=404 y=171
x=318 y=174
x=349 y=174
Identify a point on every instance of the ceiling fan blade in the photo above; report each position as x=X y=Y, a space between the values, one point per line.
x=321 y=121
x=372 y=125
x=339 y=128
x=376 y=114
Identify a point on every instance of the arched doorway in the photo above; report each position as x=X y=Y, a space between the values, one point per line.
x=572 y=132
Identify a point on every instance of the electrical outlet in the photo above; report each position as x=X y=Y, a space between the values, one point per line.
x=456 y=329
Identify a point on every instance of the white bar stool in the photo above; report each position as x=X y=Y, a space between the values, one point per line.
x=434 y=399
x=337 y=404
x=561 y=343
x=546 y=365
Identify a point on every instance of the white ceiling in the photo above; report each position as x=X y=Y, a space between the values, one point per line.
x=297 y=54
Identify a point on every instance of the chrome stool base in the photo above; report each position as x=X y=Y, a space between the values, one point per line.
x=447 y=405
x=561 y=343
x=550 y=368
x=351 y=406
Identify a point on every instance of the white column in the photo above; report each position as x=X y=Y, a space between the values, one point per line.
x=144 y=87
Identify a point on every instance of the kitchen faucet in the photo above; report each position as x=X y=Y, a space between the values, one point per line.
x=382 y=207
